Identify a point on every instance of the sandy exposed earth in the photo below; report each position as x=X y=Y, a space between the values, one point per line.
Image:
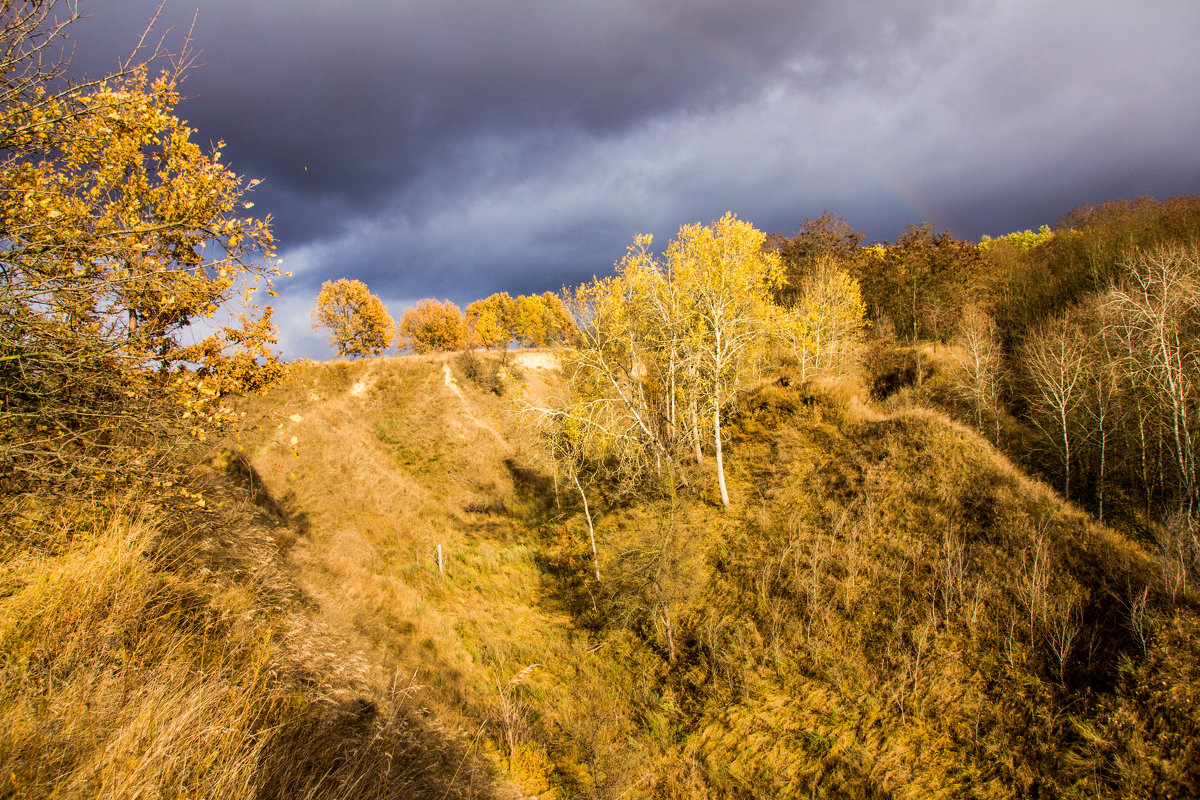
x=536 y=359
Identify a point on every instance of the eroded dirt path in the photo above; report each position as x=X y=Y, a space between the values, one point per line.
x=452 y=384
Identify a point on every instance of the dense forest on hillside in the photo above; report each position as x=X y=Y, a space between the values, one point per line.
x=787 y=515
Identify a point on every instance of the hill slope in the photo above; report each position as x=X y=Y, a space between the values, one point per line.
x=889 y=610
x=900 y=613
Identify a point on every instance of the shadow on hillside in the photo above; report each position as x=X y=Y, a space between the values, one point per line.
x=277 y=511
x=562 y=560
x=531 y=484
x=353 y=750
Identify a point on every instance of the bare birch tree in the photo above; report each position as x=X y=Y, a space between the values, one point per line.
x=981 y=361
x=1055 y=360
x=1159 y=306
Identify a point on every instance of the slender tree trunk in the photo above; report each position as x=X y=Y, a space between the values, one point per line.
x=1178 y=418
x=916 y=353
x=1066 y=454
x=591 y=530
x=914 y=314
x=696 y=433
x=1188 y=457
x=671 y=413
x=1143 y=450
x=557 y=499
x=666 y=614
x=720 y=459
x=1103 y=450
x=980 y=395
x=817 y=352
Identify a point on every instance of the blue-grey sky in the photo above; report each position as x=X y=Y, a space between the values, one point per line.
x=454 y=148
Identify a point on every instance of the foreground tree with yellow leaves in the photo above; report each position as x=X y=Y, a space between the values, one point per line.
x=358 y=322
x=726 y=279
x=128 y=263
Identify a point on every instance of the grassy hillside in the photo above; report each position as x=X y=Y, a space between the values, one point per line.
x=163 y=650
x=889 y=609
x=899 y=613
x=394 y=459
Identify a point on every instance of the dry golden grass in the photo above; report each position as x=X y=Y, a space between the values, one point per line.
x=115 y=686
x=890 y=609
x=898 y=611
x=144 y=661
x=416 y=457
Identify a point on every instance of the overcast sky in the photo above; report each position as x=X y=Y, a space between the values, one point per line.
x=453 y=149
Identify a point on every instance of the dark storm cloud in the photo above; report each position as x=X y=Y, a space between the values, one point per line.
x=365 y=95
x=459 y=148
x=356 y=101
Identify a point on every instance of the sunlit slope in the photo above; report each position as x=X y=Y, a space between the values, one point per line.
x=163 y=649
x=395 y=458
x=281 y=628
x=899 y=613
x=889 y=608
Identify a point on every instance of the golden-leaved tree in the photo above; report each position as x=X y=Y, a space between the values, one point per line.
x=824 y=326
x=490 y=320
x=498 y=321
x=358 y=322
x=726 y=279
x=129 y=266
x=433 y=327
x=666 y=343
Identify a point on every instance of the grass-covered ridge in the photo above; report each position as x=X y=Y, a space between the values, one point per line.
x=900 y=613
x=889 y=608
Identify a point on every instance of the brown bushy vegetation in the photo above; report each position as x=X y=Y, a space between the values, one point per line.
x=1084 y=255
x=1076 y=355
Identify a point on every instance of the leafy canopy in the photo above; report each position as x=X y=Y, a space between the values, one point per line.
x=358 y=322
x=666 y=343
x=129 y=263
x=432 y=327
x=498 y=321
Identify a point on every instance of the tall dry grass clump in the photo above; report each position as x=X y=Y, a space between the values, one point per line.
x=126 y=679
x=132 y=670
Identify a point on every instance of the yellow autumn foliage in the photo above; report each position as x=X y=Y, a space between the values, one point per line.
x=499 y=320
x=431 y=327
x=358 y=322
x=824 y=327
x=490 y=320
x=121 y=233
